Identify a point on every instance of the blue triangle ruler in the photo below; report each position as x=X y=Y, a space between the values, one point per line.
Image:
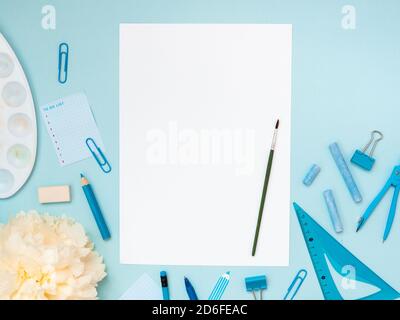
x=322 y=245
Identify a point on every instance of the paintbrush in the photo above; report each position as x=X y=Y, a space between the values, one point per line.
x=264 y=192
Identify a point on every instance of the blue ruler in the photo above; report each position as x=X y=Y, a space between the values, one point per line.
x=322 y=246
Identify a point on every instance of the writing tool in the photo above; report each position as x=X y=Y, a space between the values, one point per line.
x=333 y=211
x=95 y=208
x=264 y=192
x=220 y=286
x=164 y=285
x=190 y=290
x=344 y=170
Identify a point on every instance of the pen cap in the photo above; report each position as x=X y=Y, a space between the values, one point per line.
x=311 y=175
x=164 y=279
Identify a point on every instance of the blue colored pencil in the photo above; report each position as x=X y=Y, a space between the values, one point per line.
x=95 y=208
x=220 y=287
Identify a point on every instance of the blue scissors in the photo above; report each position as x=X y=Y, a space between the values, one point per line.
x=393 y=181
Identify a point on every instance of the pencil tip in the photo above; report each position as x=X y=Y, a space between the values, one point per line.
x=277 y=124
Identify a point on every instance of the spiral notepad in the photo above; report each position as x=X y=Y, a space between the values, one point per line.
x=70 y=122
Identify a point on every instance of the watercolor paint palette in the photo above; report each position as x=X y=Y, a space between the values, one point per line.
x=18 y=130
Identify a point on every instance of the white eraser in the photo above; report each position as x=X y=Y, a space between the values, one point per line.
x=54 y=194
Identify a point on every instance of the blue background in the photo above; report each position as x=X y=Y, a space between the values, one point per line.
x=345 y=84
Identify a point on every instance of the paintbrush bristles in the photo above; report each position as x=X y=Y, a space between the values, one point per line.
x=275 y=135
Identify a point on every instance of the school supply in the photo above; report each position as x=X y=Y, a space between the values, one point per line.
x=95 y=208
x=220 y=286
x=322 y=248
x=311 y=175
x=333 y=211
x=70 y=122
x=345 y=172
x=144 y=288
x=164 y=285
x=98 y=155
x=54 y=194
x=265 y=187
x=363 y=160
x=393 y=181
x=63 y=53
x=18 y=133
x=190 y=290
x=180 y=160
x=296 y=284
x=256 y=283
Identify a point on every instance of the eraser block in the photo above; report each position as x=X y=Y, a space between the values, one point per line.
x=54 y=194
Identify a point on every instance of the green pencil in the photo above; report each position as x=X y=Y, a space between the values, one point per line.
x=264 y=192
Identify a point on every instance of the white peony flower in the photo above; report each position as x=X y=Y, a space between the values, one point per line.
x=47 y=257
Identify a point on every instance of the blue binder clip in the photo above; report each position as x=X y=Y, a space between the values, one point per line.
x=363 y=160
x=256 y=283
x=98 y=155
x=63 y=51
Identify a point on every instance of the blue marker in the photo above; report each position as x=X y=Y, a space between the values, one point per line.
x=345 y=172
x=95 y=208
x=333 y=211
x=164 y=285
x=190 y=290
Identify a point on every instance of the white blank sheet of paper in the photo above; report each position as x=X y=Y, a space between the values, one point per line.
x=198 y=106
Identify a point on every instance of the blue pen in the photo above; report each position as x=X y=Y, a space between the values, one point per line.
x=164 y=285
x=190 y=290
x=95 y=208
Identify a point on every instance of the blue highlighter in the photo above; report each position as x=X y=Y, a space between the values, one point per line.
x=164 y=285
x=345 y=172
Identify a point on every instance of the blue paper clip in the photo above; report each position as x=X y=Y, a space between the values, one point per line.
x=296 y=284
x=63 y=51
x=98 y=155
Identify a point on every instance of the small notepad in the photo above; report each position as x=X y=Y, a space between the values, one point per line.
x=70 y=122
x=143 y=289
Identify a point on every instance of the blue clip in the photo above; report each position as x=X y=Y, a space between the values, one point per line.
x=63 y=51
x=256 y=283
x=296 y=284
x=363 y=160
x=98 y=155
